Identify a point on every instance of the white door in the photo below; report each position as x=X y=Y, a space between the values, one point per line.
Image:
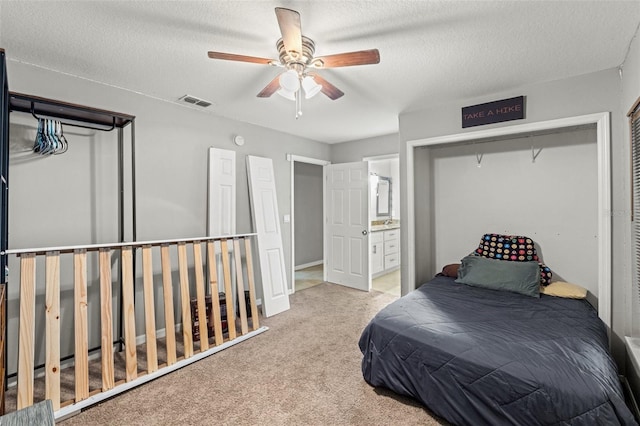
x=347 y=242
x=222 y=192
x=221 y=211
x=264 y=208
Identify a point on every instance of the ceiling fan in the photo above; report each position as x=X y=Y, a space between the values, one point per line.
x=295 y=54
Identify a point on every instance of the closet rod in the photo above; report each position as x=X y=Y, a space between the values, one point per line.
x=77 y=115
x=71 y=122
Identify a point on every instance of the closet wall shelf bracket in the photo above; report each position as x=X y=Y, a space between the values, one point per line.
x=534 y=154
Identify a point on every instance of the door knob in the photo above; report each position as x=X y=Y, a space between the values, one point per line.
x=365 y=232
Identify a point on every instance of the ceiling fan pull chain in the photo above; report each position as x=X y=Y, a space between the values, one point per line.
x=298 y=105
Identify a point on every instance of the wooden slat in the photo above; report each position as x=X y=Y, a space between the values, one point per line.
x=106 y=321
x=27 y=329
x=226 y=272
x=81 y=325
x=242 y=305
x=129 y=314
x=255 y=323
x=169 y=320
x=202 y=306
x=215 y=301
x=149 y=310
x=186 y=301
x=52 y=329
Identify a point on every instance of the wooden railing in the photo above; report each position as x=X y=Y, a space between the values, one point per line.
x=219 y=253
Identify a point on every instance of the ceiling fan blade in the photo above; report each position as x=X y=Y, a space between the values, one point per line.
x=270 y=88
x=328 y=89
x=361 y=57
x=289 y=22
x=240 y=58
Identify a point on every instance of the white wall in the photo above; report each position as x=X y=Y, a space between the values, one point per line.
x=71 y=198
x=308 y=213
x=346 y=152
x=586 y=94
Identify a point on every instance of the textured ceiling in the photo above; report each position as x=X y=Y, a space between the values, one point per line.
x=431 y=51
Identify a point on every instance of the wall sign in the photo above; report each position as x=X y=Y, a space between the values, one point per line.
x=493 y=112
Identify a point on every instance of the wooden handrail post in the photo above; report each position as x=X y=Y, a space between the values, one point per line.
x=185 y=299
x=215 y=300
x=167 y=292
x=129 y=315
x=26 y=350
x=149 y=310
x=81 y=326
x=52 y=328
x=106 y=321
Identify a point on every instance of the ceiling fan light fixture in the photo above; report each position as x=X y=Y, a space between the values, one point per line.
x=311 y=88
x=296 y=54
x=287 y=94
x=290 y=81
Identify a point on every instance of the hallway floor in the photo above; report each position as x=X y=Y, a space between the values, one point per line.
x=312 y=276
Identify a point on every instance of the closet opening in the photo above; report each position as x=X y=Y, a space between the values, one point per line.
x=525 y=164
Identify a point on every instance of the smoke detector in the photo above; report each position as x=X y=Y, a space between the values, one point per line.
x=195 y=101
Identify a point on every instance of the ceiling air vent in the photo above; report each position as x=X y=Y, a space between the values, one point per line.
x=195 y=101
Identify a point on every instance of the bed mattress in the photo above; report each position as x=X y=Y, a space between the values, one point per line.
x=476 y=356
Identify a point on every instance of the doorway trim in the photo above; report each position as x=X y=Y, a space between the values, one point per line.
x=603 y=136
x=292 y=159
x=381 y=157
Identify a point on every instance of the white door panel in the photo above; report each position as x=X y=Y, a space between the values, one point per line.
x=264 y=208
x=348 y=224
x=221 y=206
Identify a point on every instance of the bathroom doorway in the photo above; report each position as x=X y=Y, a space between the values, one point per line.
x=384 y=257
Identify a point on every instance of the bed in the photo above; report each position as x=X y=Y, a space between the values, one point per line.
x=475 y=356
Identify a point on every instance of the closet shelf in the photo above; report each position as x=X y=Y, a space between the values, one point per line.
x=71 y=114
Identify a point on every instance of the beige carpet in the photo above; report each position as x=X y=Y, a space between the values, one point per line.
x=305 y=370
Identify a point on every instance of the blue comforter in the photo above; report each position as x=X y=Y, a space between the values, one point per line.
x=477 y=356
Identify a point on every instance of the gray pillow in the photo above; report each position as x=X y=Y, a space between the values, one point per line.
x=517 y=277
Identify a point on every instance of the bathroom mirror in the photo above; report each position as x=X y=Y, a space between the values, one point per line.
x=383 y=196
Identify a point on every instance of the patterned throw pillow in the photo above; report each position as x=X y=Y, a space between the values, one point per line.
x=512 y=247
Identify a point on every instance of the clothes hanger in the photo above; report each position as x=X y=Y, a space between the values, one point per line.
x=37 y=145
x=64 y=145
x=50 y=138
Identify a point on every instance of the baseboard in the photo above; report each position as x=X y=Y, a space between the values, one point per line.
x=309 y=265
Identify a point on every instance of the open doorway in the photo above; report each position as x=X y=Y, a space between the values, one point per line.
x=307 y=217
x=385 y=223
